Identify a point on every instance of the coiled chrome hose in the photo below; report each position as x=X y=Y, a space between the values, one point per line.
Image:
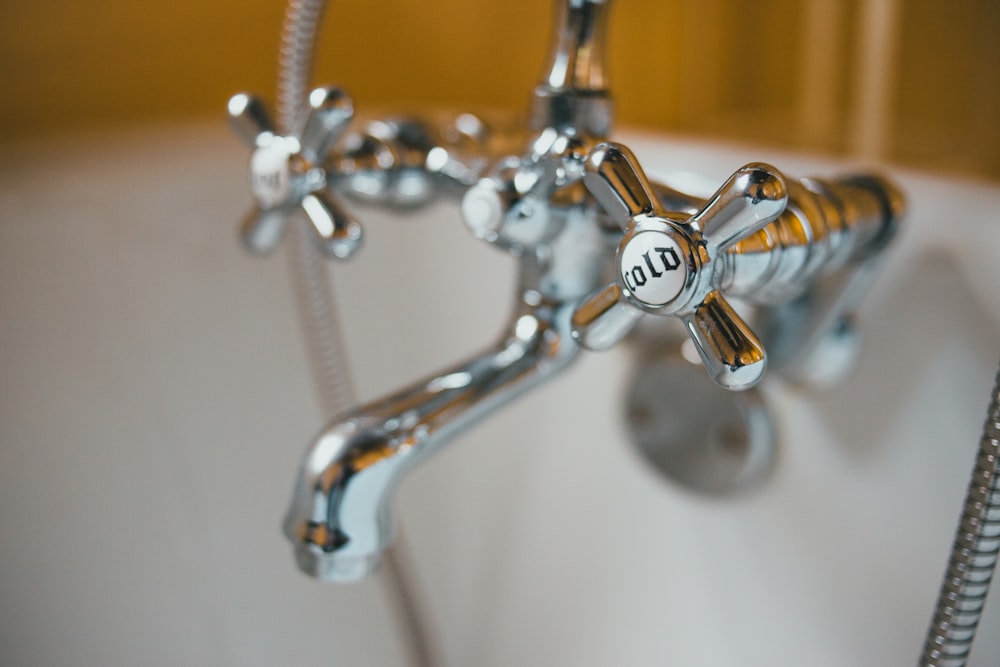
x=973 y=555
x=318 y=309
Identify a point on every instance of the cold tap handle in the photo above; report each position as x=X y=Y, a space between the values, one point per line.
x=671 y=266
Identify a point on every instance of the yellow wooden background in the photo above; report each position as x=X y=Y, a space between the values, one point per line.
x=717 y=68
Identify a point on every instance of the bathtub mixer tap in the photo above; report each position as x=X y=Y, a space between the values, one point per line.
x=572 y=208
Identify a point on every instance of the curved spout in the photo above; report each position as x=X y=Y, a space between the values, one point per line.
x=340 y=517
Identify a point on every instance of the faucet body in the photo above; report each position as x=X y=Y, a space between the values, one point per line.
x=571 y=209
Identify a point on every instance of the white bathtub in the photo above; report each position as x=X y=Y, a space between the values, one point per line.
x=156 y=400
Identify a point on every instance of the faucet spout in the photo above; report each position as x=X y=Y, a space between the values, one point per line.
x=340 y=517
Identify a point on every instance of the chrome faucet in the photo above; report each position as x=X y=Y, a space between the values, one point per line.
x=572 y=208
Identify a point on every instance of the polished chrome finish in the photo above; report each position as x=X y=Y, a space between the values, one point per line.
x=249 y=118
x=810 y=330
x=331 y=111
x=828 y=225
x=752 y=197
x=731 y=352
x=802 y=252
x=574 y=91
x=571 y=208
x=532 y=205
x=616 y=181
x=523 y=201
x=604 y=319
x=408 y=161
x=578 y=52
x=461 y=151
x=974 y=554
x=286 y=175
x=340 y=518
x=668 y=266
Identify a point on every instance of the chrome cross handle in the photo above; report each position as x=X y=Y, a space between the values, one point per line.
x=667 y=265
x=286 y=173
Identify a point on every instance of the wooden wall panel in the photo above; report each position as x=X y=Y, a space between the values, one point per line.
x=721 y=68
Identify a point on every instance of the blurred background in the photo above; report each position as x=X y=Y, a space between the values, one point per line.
x=915 y=82
x=155 y=395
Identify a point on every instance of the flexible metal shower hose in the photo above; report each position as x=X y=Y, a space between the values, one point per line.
x=973 y=555
x=318 y=309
